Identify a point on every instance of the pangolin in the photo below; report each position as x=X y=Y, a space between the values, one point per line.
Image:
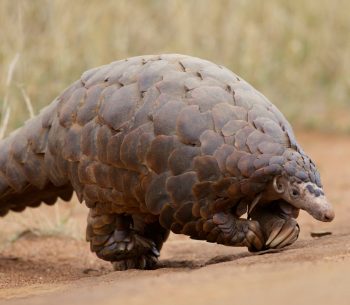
x=162 y=143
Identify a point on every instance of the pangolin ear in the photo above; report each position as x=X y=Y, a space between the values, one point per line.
x=278 y=185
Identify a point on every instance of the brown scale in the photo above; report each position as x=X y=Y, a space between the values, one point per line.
x=153 y=144
x=208 y=96
x=164 y=119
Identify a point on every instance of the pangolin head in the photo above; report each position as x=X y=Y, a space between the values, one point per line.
x=295 y=185
x=303 y=195
x=299 y=186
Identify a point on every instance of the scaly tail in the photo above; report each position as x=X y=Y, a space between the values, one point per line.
x=29 y=173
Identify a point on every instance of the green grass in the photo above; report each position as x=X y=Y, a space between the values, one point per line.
x=295 y=52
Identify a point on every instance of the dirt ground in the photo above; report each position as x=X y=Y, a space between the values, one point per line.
x=315 y=270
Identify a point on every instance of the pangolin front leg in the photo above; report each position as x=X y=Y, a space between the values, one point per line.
x=233 y=231
x=220 y=227
x=123 y=241
x=279 y=229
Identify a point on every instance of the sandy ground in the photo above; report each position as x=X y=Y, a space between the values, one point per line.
x=58 y=270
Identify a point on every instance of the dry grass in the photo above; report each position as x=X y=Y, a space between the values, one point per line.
x=62 y=219
x=295 y=52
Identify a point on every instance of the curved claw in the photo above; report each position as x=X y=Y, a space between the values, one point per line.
x=254 y=238
x=239 y=232
x=290 y=239
x=276 y=228
x=141 y=262
x=282 y=235
x=284 y=232
x=253 y=241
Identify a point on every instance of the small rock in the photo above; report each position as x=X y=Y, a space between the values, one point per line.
x=320 y=234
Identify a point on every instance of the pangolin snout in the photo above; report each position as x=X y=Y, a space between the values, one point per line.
x=329 y=215
x=320 y=209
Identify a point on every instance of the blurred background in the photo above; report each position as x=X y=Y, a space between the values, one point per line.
x=296 y=52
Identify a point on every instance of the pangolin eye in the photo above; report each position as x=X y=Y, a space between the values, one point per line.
x=295 y=193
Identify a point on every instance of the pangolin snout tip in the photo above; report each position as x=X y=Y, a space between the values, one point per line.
x=318 y=207
x=325 y=212
x=329 y=215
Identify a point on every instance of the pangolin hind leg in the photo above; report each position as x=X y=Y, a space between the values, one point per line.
x=125 y=240
x=148 y=239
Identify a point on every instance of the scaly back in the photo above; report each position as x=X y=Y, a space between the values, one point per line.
x=133 y=131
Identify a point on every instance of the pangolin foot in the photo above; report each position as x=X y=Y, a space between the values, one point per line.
x=279 y=230
x=145 y=262
x=283 y=232
x=132 y=252
x=239 y=232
